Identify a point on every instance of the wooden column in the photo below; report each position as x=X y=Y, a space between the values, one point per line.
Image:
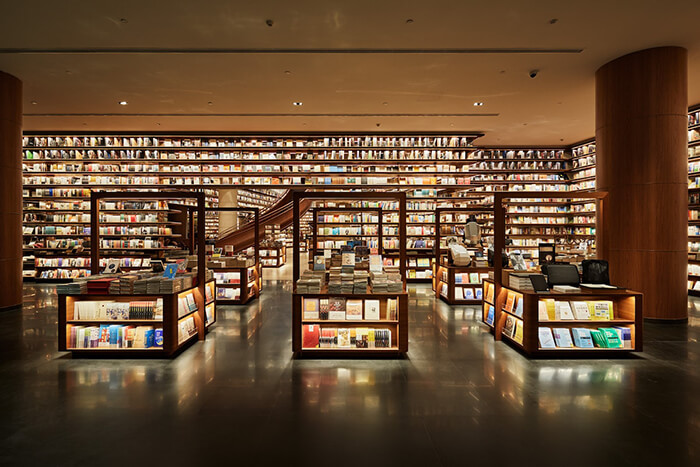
x=11 y=198
x=641 y=139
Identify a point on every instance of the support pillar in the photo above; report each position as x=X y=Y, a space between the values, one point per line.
x=11 y=195
x=641 y=143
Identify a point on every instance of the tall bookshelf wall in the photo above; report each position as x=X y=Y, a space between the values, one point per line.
x=435 y=169
x=694 y=201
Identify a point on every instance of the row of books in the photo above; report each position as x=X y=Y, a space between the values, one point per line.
x=419 y=262
x=591 y=310
x=126 y=230
x=186 y=304
x=348 y=218
x=54 y=230
x=413 y=274
x=114 y=336
x=363 y=230
x=104 y=310
x=152 y=141
x=186 y=328
x=228 y=293
x=469 y=277
x=617 y=337
x=272 y=261
x=316 y=336
x=340 y=308
x=64 y=274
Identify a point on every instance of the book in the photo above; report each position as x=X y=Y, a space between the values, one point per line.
x=468 y=293
x=343 y=338
x=336 y=308
x=550 y=308
x=311 y=308
x=490 y=315
x=582 y=338
x=601 y=310
x=479 y=293
x=510 y=300
x=309 y=336
x=563 y=310
x=612 y=339
x=375 y=263
x=319 y=263
x=392 y=309
x=170 y=271
x=372 y=309
x=353 y=309
x=562 y=337
x=490 y=290
x=542 y=314
x=323 y=308
x=509 y=327
x=598 y=339
x=518 y=334
x=518 y=306
x=625 y=335
x=348 y=259
x=580 y=310
x=546 y=338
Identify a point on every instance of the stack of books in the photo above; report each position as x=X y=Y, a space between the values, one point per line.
x=360 y=280
x=153 y=285
x=394 y=280
x=519 y=281
x=99 y=286
x=379 y=282
x=347 y=281
x=114 y=287
x=310 y=282
x=170 y=286
x=73 y=288
x=126 y=284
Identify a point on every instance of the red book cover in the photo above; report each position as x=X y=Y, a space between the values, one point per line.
x=310 y=334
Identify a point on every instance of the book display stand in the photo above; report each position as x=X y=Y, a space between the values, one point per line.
x=363 y=323
x=590 y=322
x=98 y=323
x=230 y=279
x=458 y=285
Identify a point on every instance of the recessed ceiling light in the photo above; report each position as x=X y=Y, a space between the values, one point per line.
x=269 y=22
x=123 y=102
x=478 y=104
x=554 y=21
x=34 y=102
x=68 y=72
x=287 y=72
x=123 y=20
x=409 y=21
x=297 y=103
x=385 y=103
x=210 y=103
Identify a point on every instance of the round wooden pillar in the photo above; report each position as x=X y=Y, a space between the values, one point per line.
x=641 y=140
x=11 y=197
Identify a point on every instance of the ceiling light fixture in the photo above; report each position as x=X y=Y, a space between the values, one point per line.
x=478 y=104
x=409 y=21
x=210 y=103
x=297 y=104
x=385 y=103
x=554 y=21
x=123 y=20
x=287 y=72
x=34 y=102
x=123 y=102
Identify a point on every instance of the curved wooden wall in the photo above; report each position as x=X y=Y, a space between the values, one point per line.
x=641 y=144
x=11 y=198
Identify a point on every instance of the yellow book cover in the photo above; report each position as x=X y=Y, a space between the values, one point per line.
x=601 y=310
x=551 y=308
x=518 y=336
x=510 y=301
x=489 y=292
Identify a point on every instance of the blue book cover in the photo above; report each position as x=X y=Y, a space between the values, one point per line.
x=159 y=337
x=170 y=271
x=519 y=307
x=479 y=293
x=582 y=338
x=149 y=338
x=114 y=335
x=489 y=316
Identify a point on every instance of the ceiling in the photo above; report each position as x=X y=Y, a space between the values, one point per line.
x=175 y=63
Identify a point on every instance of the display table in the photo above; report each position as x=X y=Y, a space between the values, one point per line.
x=519 y=316
x=459 y=285
x=229 y=289
x=273 y=257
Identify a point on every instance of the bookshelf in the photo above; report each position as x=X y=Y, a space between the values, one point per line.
x=694 y=201
x=238 y=279
x=339 y=226
x=365 y=323
x=173 y=329
x=522 y=315
x=460 y=285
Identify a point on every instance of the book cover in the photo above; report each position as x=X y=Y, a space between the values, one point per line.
x=518 y=311
x=170 y=271
x=546 y=338
x=625 y=335
x=551 y=309
x=353 y=310
x=344 y=337
x=601 y=310
x=598 y=339
x=490 y=290
x=509 y=327
x=309 y=336
x=542 y=311
x=562 y=337
x=375 y=263
x=319 y=263
x=612 y=339
x=490 y=315
x=348 y=259
x=580 y=310
x=323 y=308
x=479 y=293
x=468 y=293
x=582 y=338
x=474 y=278
x=518 y=334
x=336 y=304
x=311 y=308
x=392 y=309
x=563 y=310
x=509 y=302
x=372 y=309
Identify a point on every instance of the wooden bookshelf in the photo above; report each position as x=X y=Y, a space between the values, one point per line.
x=398 y=327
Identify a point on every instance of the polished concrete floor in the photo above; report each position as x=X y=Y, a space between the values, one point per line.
x=240 y=399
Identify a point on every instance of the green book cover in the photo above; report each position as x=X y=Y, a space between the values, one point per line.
x=598 y=338
x=612 y=338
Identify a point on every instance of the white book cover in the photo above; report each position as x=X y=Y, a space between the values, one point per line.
x=562 y=337
x=372 y=309
x=546 y=338
x=542 y=311
x=580 y=310
x=563 y=310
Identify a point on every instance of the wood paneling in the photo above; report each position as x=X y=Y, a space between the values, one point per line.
x=11 y=199
x=641 y=133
